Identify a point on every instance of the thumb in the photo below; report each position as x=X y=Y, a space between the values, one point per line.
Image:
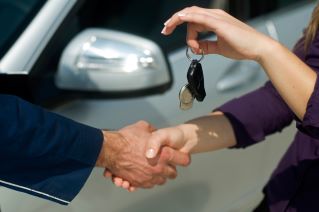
x=172 y=137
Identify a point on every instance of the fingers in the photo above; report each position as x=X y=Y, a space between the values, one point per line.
x=170 y=172
x=131 y=189
x=107 y=173
x=174 y=157
x=203 y=19
x=159 y=180
x=118 y=181
x=165 y=171
x=200 y=47
x=157 y=139
x=172 y=23
x=199 y=20
x=208 y=47
x=199 y=23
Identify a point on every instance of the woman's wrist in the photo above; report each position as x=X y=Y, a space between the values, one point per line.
x=190 y=136
x=269 y=48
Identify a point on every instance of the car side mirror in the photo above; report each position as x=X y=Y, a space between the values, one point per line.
x=110 y=61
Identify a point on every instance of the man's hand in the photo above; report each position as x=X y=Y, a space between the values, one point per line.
x=123 y=155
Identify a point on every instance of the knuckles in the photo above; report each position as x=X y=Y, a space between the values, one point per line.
x=161 y=182
x=193 y=8
x=173 y=175
x=166 y=154
x=143 y=124
x=158 y=170
x=219 y=11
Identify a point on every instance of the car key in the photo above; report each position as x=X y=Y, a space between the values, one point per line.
x=195 y=87
x=186 y=98
x=195 y=79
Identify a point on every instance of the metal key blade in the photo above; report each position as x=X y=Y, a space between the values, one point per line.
x=186 y=98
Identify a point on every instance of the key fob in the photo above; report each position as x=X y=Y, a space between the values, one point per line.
x=195 y=79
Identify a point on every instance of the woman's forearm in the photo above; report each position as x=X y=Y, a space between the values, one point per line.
x=208 y=133
x=292 y=78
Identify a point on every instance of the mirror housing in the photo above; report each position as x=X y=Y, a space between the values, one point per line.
x=110 y=61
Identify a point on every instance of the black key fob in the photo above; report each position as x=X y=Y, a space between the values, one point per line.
x=195 y=79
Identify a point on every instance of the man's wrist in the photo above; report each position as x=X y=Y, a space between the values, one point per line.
x=100 y=162
x=113 y=144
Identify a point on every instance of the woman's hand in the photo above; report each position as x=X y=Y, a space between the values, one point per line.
x=175 y=137
x=202 y=134
x=235 y=39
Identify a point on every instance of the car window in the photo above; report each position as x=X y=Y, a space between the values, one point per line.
x=14 y=18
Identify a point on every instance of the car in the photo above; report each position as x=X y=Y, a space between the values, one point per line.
x=107 y=65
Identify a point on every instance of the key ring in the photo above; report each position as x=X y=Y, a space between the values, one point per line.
x=190 y=59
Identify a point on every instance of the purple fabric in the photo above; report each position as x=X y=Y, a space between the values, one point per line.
x=294 y=185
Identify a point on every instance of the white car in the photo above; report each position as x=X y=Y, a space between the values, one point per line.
x=59 y=54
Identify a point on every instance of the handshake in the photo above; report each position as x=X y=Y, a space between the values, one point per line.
x=140 y=156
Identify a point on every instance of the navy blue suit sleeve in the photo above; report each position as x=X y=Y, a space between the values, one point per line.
x=42 y=153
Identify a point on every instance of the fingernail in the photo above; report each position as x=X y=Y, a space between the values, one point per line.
x=181 y=14
x=163 y=30
x=166 y=22
x=150 y=153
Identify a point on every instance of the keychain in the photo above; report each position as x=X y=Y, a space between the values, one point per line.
x=194 y=89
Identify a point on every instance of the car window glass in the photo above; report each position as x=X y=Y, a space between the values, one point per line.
x=14 y=18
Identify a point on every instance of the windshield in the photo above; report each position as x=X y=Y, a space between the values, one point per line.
x=15 y=16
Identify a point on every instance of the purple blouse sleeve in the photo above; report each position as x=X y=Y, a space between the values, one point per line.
x=257 y=114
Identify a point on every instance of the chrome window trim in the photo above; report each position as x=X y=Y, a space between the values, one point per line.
x=25 y=51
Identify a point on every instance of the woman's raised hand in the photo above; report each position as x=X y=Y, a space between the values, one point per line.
x=235 y=39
